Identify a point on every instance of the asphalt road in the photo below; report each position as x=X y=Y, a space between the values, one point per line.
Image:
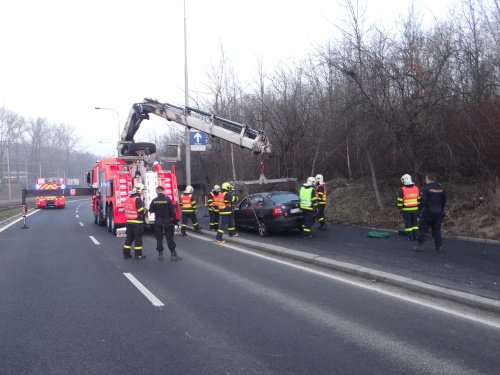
x=68 y=306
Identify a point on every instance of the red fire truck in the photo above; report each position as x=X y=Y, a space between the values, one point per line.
x=50 y=184
x=114 y=178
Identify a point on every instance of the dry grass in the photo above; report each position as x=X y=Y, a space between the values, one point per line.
x=472 y=210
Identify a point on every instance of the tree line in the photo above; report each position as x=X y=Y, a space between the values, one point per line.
x=371 y=104
x=32 y=148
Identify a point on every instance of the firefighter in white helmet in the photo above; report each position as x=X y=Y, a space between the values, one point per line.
x=134 y=212
x=213 y=209
x=321 y=195
x=308 y=204
x=188 y=204
x=408 y=202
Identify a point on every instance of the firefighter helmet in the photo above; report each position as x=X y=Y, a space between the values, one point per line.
x=138 y=186
x=319 y=178
x=189 y=189
x=310 y=181
x=406 y=179
x=226 y=186
x=216 y=187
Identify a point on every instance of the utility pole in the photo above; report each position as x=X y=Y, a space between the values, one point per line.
x=186 y=103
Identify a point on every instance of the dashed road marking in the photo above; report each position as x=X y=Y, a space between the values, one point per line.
x=152 y=298
x=94 y=240
x=81 y=224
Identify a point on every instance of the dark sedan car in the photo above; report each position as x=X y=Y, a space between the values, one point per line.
x=269 y=212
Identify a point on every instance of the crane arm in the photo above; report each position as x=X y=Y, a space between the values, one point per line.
x=209 y=123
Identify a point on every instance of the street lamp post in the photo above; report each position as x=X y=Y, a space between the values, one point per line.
x=186 y=103
x=117 y=117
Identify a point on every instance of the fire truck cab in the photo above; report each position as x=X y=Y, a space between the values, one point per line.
x=49 y=184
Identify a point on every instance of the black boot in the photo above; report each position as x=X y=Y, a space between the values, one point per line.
x=174 y=257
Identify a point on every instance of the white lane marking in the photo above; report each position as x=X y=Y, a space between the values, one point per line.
x=472 y=317
x=17 y=220
x=77 y=216
x=81 y=224
x=94 y=240
x=187 y=334
x=152 y=298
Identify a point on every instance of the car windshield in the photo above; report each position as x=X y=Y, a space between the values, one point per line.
x=283 y=197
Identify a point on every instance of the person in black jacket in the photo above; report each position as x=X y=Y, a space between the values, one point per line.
x=165 y=219
x=432 y=204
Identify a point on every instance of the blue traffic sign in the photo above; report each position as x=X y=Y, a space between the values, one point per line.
x=198 y=138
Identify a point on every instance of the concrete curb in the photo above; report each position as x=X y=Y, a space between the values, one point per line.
x=464 y=298
x=461 y=238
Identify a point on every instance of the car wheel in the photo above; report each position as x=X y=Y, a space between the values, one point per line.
x=135 y=149
x=262 y=228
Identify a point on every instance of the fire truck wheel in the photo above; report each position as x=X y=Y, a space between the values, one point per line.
x=108 y=218
x=139 y=148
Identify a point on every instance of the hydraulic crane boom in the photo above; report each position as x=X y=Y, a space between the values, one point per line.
x=211 y=124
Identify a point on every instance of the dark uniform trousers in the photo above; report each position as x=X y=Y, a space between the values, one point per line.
x=309 y=218
x=226 y=221
x=134 y=234
x=431 y=217
x=164 y=227
x=214 y=219
x=185 y=217
x=320 y=217
x=411 y=224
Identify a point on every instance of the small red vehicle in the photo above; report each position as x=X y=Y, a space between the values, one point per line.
x=50 y=200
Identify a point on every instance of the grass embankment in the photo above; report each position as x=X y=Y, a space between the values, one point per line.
x=472 y=210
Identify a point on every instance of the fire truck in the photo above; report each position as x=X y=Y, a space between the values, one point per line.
x=113 y=178
x=48 y=200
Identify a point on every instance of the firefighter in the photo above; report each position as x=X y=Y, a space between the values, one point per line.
x=308 y=204
x=321 y=198
x=165 y=220
x=213 y=210
x=188 y=210
x=134 y=212
x=432 y=203
x=225 y=201
x=407 y=202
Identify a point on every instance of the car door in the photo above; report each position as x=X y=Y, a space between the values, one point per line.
x=240 y=213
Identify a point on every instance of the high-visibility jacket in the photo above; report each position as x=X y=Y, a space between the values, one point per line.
x=187 y=202
x=211 y=205
x=134 y=210
x=409 y=198
x=218 y=201
x=321 y=193
x=308 y=199
x=225 y=201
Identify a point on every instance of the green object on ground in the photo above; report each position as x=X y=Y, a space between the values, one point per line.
x=378 y=234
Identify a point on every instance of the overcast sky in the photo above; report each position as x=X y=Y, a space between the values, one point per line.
x=61 y=58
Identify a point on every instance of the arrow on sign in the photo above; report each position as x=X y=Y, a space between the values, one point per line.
x=197 y=137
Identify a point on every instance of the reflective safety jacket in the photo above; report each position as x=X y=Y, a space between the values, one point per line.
x=409 y=198
x=321 y=193
x=187 y=202
x=134 y=209
x=211 y=205
x=225 y=201
x=308 y=199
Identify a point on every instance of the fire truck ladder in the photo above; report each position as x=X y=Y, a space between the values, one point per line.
x=209 y=123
